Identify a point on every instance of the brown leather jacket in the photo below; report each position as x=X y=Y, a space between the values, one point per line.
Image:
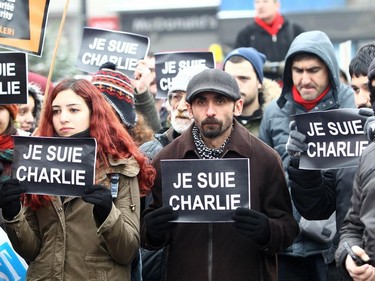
x=217 y=251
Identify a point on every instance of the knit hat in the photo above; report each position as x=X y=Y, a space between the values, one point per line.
x=371 y=71
x=180 y=82
x=12 y=108
x=257 y=59
x=117 y=90
x=213 y=80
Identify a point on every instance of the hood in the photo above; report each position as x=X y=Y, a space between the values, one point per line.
x=315 y=42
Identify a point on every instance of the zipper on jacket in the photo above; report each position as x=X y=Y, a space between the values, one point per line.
x=209 y=252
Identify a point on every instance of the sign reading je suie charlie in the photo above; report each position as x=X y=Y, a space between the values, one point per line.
x=205 y=190
x=168 y=64
x=121 y=48
x=335 y=138
x=54 y=165
x=13 y=78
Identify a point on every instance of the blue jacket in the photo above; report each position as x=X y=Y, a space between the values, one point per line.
x=274 y=128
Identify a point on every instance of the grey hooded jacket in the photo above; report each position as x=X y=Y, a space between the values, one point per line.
x=274 y=128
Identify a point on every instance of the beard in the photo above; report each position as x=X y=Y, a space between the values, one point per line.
x=211 y=128
x=180 y=123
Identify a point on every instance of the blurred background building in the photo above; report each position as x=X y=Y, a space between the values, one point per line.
x=175 y=25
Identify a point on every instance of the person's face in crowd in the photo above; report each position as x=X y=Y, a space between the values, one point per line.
x=4 y=119
x=180 y=118
x=361 y=91
x=213 y=114
x=310 y=77
x=247 y=81
x=266 y=10
x=25 y=114
x=71 y=114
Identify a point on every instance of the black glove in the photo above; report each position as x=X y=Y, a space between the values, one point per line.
x=158 y=223
x=10 y=194
x=101 y=197
x=252 y=224
x=367 y=112
x=305 y=178
x=296 y=144
x=369 y=128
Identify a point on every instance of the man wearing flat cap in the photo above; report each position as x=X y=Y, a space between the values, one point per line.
x=245 y=248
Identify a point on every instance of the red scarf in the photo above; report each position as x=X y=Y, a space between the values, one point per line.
x=311 y=103
x=6 y=142
x=272 y=28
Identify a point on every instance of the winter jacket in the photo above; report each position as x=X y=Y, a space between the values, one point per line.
x=62 y=241
x=270 y=91
x=199 y=250
x=358 y=226
x=275 y=48
x=274 y=128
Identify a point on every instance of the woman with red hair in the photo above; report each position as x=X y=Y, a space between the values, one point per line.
x=94 y=237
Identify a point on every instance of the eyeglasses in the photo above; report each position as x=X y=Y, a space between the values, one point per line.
x=176 y=97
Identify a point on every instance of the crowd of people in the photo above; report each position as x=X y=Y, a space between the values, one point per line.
x=243 y=110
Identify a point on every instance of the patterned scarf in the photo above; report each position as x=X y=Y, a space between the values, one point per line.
x=272 y=28
x=204 y=151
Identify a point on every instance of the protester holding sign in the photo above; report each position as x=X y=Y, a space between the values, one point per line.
x=96 y=235
x=144 y=84
x=318 y=194
x=222 y=251
x=311 y=84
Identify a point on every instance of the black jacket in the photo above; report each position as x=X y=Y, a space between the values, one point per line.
x=276 y=48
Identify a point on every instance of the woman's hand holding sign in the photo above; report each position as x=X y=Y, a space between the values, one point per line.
x=10 y=194
x=101 y=197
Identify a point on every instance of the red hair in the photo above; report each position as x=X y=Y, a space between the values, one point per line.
x=111 y=136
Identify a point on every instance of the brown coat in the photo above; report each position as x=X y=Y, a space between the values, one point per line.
x=196 y=251
x=63 y=242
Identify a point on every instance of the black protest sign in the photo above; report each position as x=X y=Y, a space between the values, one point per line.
x=167 y=65
x=54 y=166
x=206 y=190
x=121 y=48
x=22 y=25
x=13 y=78
x=335 y=138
